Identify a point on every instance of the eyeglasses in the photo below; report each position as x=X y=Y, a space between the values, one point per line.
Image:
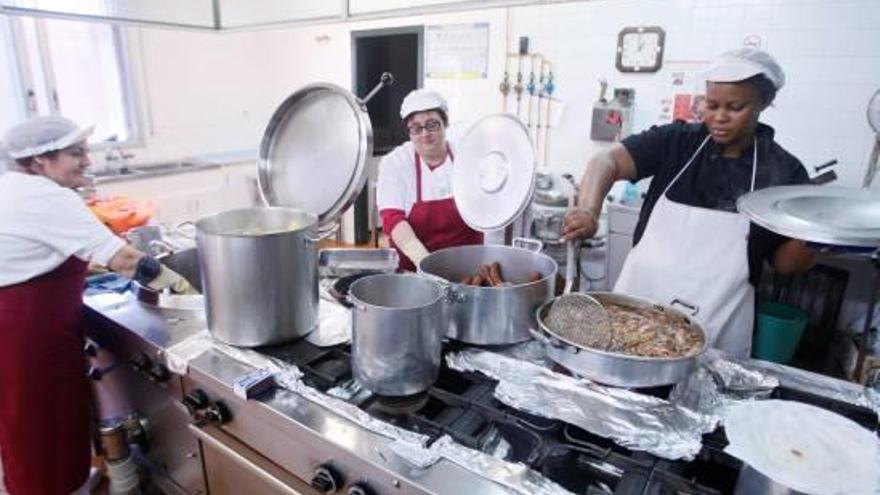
x=430 y=126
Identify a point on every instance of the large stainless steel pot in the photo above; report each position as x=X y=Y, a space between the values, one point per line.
x=612 y=368
x=492 y=315
x=398 y=326
x=259 y=273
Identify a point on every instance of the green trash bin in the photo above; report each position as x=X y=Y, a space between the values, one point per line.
x=779 y=331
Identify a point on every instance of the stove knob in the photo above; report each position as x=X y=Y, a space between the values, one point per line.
x=360 y=489
x=326 y=480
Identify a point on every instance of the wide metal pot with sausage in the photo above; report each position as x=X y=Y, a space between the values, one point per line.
x=492 y=315
x=259 y=265
x=621 y=368
x=492 y=184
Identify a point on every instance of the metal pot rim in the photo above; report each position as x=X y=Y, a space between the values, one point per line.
x=201 y=222
x=360 y=302
x=493 y=246
x=617 y=355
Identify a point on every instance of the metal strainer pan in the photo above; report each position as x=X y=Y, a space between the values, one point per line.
x=612 y=368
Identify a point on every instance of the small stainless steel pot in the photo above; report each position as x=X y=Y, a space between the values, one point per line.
x=260 y=274
x=398 y=325
x=492 y=315
x=612 y=368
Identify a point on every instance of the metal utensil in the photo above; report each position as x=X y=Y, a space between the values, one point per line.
x=581 y=319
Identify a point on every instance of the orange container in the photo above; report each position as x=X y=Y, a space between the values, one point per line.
x=122 y=214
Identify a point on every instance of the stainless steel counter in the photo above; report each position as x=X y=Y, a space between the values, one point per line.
x=285 y=430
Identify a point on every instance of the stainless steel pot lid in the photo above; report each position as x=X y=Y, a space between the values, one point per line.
x=494 y=172
x=314 y=152
x=803 y=447
x=830 y=215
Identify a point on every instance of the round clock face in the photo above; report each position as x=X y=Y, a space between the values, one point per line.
x=640 y=49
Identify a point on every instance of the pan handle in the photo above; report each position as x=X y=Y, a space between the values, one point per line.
x=540 y=337
x=324 y=233
x=530 y=244
x=186 y=229
x=450 y=293
x=692 y=309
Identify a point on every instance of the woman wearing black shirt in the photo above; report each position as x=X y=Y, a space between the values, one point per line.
x=691 y=245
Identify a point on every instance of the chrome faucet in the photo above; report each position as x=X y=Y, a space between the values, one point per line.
x=115 y=153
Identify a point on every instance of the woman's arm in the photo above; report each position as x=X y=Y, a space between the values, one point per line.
x=405 y=239
x=603 y=170
x=134 y=264
x=125 y=261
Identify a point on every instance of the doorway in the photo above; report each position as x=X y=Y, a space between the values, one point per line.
x=398 y=51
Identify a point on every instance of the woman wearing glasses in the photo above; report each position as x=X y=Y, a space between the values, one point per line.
x=414 y=192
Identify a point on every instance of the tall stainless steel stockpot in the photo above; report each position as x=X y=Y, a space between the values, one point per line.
x=398 y=321
x=492 y=315
x=259 y=274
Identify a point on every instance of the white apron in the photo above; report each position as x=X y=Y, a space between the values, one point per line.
x=697 y=257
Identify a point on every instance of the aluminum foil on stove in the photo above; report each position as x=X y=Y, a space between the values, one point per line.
x=178 y=356
x=824 y=386
x=721 y=382
x=334 y=324
x=406 y=444
x=633 y=420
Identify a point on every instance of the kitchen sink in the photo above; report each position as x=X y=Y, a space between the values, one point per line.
x=164 y=166
x=117 y=172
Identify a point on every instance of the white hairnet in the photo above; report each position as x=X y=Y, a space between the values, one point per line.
x=739 y=65
x=43 y=134
x=420 y=100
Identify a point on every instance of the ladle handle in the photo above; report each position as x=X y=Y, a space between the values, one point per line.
x=386 y=79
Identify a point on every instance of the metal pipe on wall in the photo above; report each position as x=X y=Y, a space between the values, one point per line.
x=549 y=87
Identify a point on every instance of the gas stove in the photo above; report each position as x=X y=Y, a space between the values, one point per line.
x=462 y=405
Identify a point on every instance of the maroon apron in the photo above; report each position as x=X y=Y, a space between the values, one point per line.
x=436 y=223
x=44 y=393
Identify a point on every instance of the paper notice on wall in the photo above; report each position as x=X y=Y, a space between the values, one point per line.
x=688 y=107
x=457 y=51
x=685 y=100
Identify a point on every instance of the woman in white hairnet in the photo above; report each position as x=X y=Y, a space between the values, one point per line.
x=47 y=237
x=690 y=242
x=414 y=191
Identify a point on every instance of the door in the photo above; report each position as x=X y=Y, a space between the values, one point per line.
x=398 y=51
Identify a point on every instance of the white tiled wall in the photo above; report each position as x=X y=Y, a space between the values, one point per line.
x=212 y=92
x=829 y=50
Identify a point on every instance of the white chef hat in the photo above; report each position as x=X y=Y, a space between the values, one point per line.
x=421 y=100
x=741 y=64
x=43 y=134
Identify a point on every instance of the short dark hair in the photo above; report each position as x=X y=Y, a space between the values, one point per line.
x=766 y=88
x=439 y=110
x=29 y=160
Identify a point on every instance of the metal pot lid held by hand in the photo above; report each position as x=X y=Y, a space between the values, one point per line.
x=804 y=448
x=494 y=172
x=314 y=152
x=831 y=215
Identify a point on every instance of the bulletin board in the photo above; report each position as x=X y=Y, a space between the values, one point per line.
x=457 y=51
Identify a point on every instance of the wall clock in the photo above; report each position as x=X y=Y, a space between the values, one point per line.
x=640 y=49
